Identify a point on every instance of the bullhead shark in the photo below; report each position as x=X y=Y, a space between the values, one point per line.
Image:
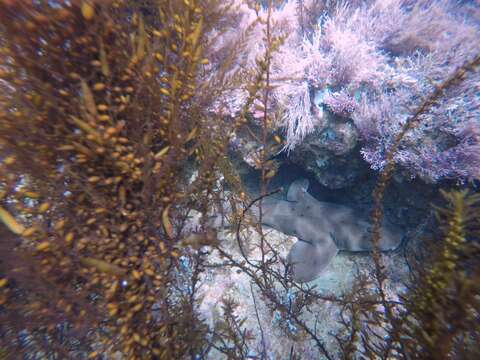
x=323 y=229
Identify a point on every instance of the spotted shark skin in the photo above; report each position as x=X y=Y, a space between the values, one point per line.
x=323 y=229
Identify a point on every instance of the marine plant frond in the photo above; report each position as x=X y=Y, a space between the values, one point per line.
x=231 y=333
x=107 y=109
x=442 y=312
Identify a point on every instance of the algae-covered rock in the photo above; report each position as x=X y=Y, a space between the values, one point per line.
x=331 y=153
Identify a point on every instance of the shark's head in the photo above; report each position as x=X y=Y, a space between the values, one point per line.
x=297 y=189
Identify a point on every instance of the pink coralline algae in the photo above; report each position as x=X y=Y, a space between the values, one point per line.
x=340 y=103
x=372 y=62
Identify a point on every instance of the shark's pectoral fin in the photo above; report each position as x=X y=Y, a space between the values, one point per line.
x=297 y=189
x=309 y=259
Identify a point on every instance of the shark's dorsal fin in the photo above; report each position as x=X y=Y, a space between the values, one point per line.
x=297 y=189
